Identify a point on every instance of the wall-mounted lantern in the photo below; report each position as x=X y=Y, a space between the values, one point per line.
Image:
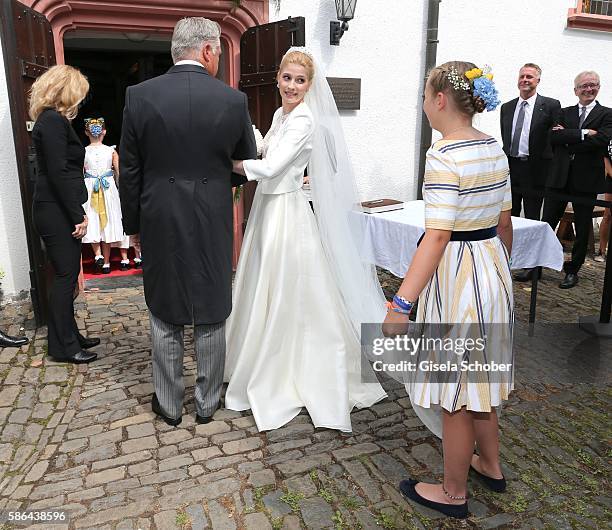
x=345 y=11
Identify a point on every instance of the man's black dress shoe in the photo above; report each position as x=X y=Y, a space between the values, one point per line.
x=498 y=485
x=80 y=357
x=156 y=407
x=6 y=341
x=407 y=489
x=526 y=275
x=569 y=281
x=88 y=342
x=203 y=420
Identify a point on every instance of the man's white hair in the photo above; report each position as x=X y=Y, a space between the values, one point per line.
x=191 y=34
x=584 y=74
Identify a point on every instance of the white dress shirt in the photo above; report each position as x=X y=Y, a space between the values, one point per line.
x=589 y=108
x=189 y=61
x=523 y=149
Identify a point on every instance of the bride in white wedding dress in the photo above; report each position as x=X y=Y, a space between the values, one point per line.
x=301 y=288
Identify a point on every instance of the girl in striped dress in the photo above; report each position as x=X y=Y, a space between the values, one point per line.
x=461 y=276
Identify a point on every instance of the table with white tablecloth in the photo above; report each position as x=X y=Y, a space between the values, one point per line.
x=393 y=238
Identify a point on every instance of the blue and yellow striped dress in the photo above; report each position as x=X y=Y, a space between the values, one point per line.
x=465 y=188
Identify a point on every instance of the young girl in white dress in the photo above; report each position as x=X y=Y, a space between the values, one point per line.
x=103 y=207
x=290 y=340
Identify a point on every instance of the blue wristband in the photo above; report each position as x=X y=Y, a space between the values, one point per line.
x=402 y=303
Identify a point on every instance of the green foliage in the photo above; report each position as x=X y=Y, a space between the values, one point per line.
x=326 y=495
x=350 y=503
x=258 y=495
x=292 y=499
x=519 y=504
x=182 y=519
x=339 y=522
x=385 y=520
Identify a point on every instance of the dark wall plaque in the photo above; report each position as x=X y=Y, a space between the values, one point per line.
x=346 y=91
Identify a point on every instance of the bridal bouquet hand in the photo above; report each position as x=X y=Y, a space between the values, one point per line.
x=259 y=141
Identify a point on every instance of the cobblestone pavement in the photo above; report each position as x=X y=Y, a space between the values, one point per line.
x=84 y=438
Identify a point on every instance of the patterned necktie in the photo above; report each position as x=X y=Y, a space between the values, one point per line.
x=518 y=129
x=582 y=117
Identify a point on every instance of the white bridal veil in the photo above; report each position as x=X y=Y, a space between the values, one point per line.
x=336 y=205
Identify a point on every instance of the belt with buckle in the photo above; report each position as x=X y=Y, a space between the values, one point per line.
x=572 y=156
x=521 y=158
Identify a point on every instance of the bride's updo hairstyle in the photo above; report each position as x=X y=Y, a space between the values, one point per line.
x=301 y=58
x=450 y=78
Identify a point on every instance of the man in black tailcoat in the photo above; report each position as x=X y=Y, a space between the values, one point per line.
x=181 y=131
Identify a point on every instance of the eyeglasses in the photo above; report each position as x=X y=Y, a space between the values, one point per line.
x=586 y=86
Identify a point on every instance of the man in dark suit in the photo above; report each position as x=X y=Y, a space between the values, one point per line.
x=180 y=133
x=580 y=139
x=526 y=123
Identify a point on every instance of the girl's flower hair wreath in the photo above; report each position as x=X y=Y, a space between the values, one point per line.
x=479 y=81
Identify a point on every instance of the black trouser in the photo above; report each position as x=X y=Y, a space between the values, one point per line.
x=521 y=177
x=64 y=251
x=583 y=220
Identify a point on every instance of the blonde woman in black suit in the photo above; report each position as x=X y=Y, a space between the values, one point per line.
x=59 y=194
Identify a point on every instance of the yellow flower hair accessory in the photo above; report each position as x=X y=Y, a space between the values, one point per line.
x=473 y=73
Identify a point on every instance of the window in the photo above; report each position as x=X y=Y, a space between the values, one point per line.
x=591 y=14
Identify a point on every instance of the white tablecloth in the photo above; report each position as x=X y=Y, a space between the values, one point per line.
x=393 y=237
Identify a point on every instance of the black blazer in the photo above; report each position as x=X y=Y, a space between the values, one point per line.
x=586 y=156
x=545 y=115
x=60 y=156
x=180 y=133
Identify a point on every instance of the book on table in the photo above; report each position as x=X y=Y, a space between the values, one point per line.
x=381 y=205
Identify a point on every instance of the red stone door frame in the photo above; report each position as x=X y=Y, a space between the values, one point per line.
x=157 y=16
x=152 y=16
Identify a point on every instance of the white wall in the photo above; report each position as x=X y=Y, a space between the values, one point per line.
x=385 y=47
x=13 y=245
x=514 y=32
x=386 y=51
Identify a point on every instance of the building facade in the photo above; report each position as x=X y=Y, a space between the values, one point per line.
x=384 y=47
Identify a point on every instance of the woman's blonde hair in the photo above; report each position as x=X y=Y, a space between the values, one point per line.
x=62 y=88
x=301 y=58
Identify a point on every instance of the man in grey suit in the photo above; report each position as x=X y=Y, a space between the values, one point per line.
x=181 y=131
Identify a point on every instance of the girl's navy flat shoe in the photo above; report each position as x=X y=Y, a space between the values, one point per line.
x=407 y=489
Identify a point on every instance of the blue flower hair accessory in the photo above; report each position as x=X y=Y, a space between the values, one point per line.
x=483 y=86
x=95 y=126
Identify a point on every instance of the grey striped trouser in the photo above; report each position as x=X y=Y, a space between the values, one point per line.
x=168 y=350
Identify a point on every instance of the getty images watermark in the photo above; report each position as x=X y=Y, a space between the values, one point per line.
x=441 y=352
x=413 y=346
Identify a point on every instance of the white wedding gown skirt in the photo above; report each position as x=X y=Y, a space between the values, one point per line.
x=289 y=343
